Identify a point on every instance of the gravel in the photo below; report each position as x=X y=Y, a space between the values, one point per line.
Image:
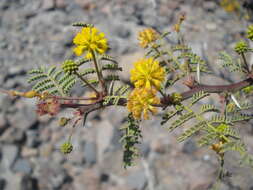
x=38 y=32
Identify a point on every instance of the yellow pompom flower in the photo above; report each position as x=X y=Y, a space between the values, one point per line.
x=147 y=73
x=147 y=36
x=140 y=102
x=88 y=40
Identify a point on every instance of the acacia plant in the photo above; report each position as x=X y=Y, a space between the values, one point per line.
x=152 y=77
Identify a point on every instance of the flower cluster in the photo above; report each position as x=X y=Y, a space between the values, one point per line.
x=230 y=5
x=250 y=32
x=90 y=40
x=147 y=77
x=69 y=67
x=147 y=73
x=141 y=101
x=241 y=47
x=147 y=36
x=49 y=106
x=66 y=148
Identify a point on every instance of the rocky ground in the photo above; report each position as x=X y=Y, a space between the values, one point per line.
x=39 y=32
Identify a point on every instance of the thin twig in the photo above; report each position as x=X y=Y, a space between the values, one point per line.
x=87 y=83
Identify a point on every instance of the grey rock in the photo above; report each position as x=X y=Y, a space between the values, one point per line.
x=122 y=31
x=32 y=138
x=137 y=180
x=24 y=119
x=189 y=147
x=17 y=70
x=104 y=177
x=161 y=187
x=222 y=14
x=9 y=156
x=51 y=174
x=4 y=4
x=2 y=183
x=209 y=6
x=21 y=182
x=3 y=123
x=29 y=183
x=48 y=5
x=13 y=135
x=104 y=137
x=90 y=153
x=6 y=103
x=150 y=20
x=23 y=166
x=144 y=149
x=115 y=139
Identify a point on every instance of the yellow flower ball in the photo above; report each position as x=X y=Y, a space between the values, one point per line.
x=147 y=73
x=140 y=102
x=88 y=40
x=147 y=36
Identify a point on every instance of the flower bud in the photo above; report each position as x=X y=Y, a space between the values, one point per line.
x=66 y=148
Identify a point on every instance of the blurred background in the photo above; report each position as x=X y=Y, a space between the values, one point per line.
x=39 y=32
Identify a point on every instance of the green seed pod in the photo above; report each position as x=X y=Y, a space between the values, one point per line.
x=66 y=147
x=241 y=47
x=69 y=67
x=63 y=121
x=176 y=98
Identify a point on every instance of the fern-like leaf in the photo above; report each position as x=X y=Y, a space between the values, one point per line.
x=240 y=117
x=193 y=130
x=87 y=71
x=218 y=119
x=113 y=67
x=198 y=96
x=228 y=62
x=82 y=61
x=108 y=58
x=114 y=98
x=130 y=138
x=207 y=139
x=82 y=24
x=169 y=115
x=181 y=120
x=208 y=108
x=51 y=80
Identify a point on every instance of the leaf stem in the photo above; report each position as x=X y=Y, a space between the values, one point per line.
x=99 y=72
x=87 y=83
x=245 y=62
x=164 y=59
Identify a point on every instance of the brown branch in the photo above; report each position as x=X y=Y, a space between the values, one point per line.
x=185 y=95
x=217 y=88
x=72 y=98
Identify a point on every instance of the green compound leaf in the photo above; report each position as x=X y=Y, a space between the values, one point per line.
x=218 y=119
x=108 y=58
x=240 y=117
x=130 y=138
x=82 y=24
x=53 y=81
x=208 y=108
x=181 y=120
x=207 y=139
x=169 y=115
x=198 y=96
x=120 y=93
x=229 y=63
x=87 y=71
x=190 y=132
